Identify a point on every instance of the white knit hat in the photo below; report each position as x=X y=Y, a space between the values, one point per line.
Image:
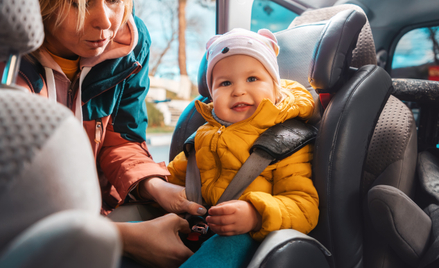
x=261 y=46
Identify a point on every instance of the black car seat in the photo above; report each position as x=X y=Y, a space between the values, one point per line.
x=366 y=137
x=49 y=192
x=390 y=159
x=411 y=231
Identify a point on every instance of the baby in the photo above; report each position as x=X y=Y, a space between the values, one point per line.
x=248 y=97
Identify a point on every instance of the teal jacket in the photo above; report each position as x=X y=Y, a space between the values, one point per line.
x=113 y=111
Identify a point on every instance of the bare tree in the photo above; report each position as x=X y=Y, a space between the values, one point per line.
x=182 y=36
x=172 y=25
x=169 y=39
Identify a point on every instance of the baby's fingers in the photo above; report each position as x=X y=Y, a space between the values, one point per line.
x=222 y=209
x=220 y=220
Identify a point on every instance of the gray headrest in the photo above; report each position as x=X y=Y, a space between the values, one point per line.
x=333 y=52
x=318 y=54
x=364 y=53
x=21 y=27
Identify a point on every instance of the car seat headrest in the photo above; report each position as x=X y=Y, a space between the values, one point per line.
x=365 y=52
x=332 y=54
x=318 y=54
x=21 y=27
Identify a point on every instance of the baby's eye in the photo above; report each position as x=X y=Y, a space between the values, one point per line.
x=225 y=83
x=251 y=79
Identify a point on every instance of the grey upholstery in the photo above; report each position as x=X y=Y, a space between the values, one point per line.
x=428 y=171
x=46 y=164
x=49 y=188
x=364 y=53
x=401 y=221
x=21 y=27
x=70 y=238
x=390 y=159
x=392 y=146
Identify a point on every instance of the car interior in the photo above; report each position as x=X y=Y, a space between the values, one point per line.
x=375 y=165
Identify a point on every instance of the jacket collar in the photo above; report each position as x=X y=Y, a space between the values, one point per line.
x=266 y=115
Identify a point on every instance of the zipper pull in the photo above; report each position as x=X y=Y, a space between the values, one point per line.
x=98 y=131
x=214 y=142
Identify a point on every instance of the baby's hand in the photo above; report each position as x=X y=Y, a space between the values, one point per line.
x=233 y=218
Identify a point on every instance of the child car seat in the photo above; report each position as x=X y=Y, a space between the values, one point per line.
x=390 y=159
x=359 y=143
x=49 y=189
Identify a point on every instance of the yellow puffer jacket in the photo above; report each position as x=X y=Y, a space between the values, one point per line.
x=283 y=193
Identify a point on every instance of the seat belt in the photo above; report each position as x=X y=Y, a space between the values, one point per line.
x=193 y=180
x=250 y=170
x=273 y=145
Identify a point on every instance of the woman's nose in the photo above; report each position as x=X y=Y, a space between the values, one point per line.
x=100 y=15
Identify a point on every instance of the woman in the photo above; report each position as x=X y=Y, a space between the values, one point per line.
x=94 y=60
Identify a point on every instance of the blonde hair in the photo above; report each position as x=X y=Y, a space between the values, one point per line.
x=52 y=7
x=277 y=92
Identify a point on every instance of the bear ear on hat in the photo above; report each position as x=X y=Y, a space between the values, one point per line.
x=211 y=40
x=271 y=38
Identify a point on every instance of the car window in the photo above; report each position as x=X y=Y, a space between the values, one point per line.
x=417 y=55
x=270 y=15
x=173 y=65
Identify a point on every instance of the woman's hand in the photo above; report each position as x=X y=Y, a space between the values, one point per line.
x=156 y=242
x=233 y=218
x=170 y=197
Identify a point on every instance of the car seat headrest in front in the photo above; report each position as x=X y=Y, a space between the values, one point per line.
x=21 y=27
x=46 y=163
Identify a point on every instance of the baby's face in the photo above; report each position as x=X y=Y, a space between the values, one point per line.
x=239 y=84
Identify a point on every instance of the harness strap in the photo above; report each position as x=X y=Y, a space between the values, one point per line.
x=193 y=180
x=250 y=170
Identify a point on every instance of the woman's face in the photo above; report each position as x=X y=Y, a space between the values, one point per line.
x=102 y=21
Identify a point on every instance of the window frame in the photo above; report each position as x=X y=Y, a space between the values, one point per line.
x=394 y=43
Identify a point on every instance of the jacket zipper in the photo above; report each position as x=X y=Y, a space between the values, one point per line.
x=213 y=148
x=70 y=96
x=98 y=130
